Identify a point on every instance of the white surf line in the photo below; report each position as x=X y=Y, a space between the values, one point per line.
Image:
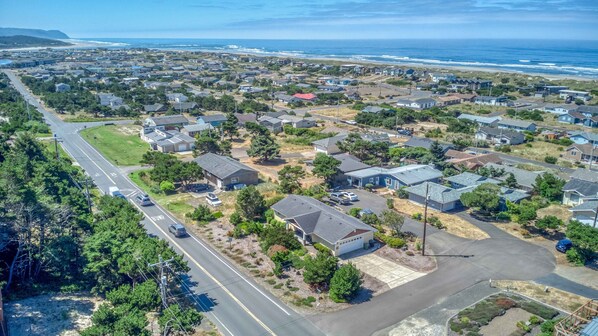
x=202 y=245
x=211 y=276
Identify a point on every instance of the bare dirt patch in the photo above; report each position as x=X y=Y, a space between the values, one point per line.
x=558 y=210
x=344 y=113
x=555 y=297
x=51 y=314
x=454 y=225
x=416 y=262
x=506 y=324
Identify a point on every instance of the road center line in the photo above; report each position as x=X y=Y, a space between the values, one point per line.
x=92 y=161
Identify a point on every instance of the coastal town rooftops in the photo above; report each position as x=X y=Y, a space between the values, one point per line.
x=592 y=137
x=585 y=175
x=516 y=123
x=479 y=119
x=168 y=120
x=584 y=188
x=315 y=217
x=198 y=127
x=349 y=163
x=220 y=166
x=470 y=179
x=437 y=192
x=411 y=174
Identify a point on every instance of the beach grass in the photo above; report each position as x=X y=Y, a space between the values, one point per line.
x=119 y=143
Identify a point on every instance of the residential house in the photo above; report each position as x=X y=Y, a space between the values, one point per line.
x=166 y=122
x=244 y=118
x=492 y=101
x=274 y=125
x=298 y=122
x=349 y=163
x=582 y=187
x=437 y=77
x=167 y=141
x=583 y=115
x=581 y=138
x=482 y=121
x=499 y=136
x=329 y=145
x=558 y=109
x=573 y=95
x=467 y=179
x=154 y=108
x=466 y=97
x=108 y=99
x=177 y=97
x=474 y=161
x=586 y=213
x=393 y=178
x=525 y=179
x=62 y=87
x=443 y=198
x=285 y=98
x=195 y=129
x=447 y=100
x=373 y=109
x=473 y=84
x=212 y=119
x=224 y=172
x=306 y=97
x=581 y=153
x=425 y=143
x=183 y=107
x=517 y=125
x=421 y=103
x=315 y=222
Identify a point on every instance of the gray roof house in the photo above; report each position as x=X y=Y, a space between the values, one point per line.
x=373 y=109
x=315 y=222
x=525 y=178
x=194 y=129
x=517 y=125
x=577 y=191
x=224 y=171
x=499 y=136
x=167 y=141
x=212 y=119
x=425 y=143
x=393 y=178
x=166 y=122
x=329 y=145
x=469 y=179
x=154 y=108
x=274 y=125
x=482 y=121
x=585 y=213
x=297 y=122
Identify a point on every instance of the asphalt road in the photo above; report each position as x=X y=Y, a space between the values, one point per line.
x=233 y=302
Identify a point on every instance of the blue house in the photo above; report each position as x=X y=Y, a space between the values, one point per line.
x=393 y=178
x=214 y=119
x=581 y=138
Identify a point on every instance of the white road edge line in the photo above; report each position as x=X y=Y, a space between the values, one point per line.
x=209 y=275
x=92 y=161
x=176 y=221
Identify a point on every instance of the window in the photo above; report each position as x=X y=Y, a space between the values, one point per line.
x=234 y=180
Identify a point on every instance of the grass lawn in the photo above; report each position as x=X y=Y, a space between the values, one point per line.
x=119 y=143
x=538 y=151
x=52 y=149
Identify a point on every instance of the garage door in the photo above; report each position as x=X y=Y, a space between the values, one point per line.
x=350 y=245
x=182 y=148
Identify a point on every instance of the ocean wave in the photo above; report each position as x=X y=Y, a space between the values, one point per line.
x=524 y=61
x=547 y=64
x=102 y=43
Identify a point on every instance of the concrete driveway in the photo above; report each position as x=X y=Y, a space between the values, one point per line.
x=389 y=272
x=367 y=200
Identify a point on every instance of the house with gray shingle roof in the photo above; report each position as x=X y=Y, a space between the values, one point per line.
x=517 y=125
x=468 y=179
x=577 y=191
x=525 y=178
x=393 y=178
x=585 y=213
x=224 y=171
x=315 y=222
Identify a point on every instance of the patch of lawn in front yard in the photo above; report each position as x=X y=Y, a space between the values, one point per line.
x=120 y=144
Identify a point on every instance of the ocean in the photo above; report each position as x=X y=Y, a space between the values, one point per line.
x=550 y=57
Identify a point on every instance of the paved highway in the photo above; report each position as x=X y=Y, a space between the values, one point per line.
x=233 y=302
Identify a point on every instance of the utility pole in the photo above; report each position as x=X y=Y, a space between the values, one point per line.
x=56 y=139
x=595 y=216
x=425 y=218
x=591 y=161
x=88 y=196
x=163 y=282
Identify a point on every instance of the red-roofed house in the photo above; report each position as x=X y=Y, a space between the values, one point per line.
x=305 y=96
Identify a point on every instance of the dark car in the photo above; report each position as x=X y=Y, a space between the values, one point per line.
x=177 y=230
x=563 y=245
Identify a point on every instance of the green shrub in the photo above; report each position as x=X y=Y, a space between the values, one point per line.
x=575 y=257
x=541 y=310
x=235 y=218
x=272 y=200
x=550 y=159
x=166 y=187
x=523 y=326
x=535 y=320
x=201 y=214
x=548 y=326
x=354 y=212
x=503 y=216
x=402 y=193
x=417 y=216
x=393 y=242
x=390 y=203
x=322 y=248
x=218 y=214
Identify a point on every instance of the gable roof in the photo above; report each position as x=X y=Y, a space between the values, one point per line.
x=221 y=166
x=585 y=175
x=424 y=143
x=437 y=192
x=212 y=118
x=516 y=123
x=584 y=188
x=409 y=175
x=525 y=178
x=349 y=163
x=315 y=217
x=169 y=120
x=470 y=179
x=585 y=206
x=495 y=131
x=479 y=119
x=328 y=142
x=198 y=127
x=593 y=137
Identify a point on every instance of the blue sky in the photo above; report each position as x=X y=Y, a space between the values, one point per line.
x=308 y=19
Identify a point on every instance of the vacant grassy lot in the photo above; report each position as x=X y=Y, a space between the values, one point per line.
x=118 y=143
x=537 y=151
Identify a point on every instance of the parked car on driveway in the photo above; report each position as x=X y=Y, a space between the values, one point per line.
x=365 y=211
x=143 y=200
x=213 y=200
x=177 y=230
x=339 y=198
x=351 y=196
x=563 y=245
